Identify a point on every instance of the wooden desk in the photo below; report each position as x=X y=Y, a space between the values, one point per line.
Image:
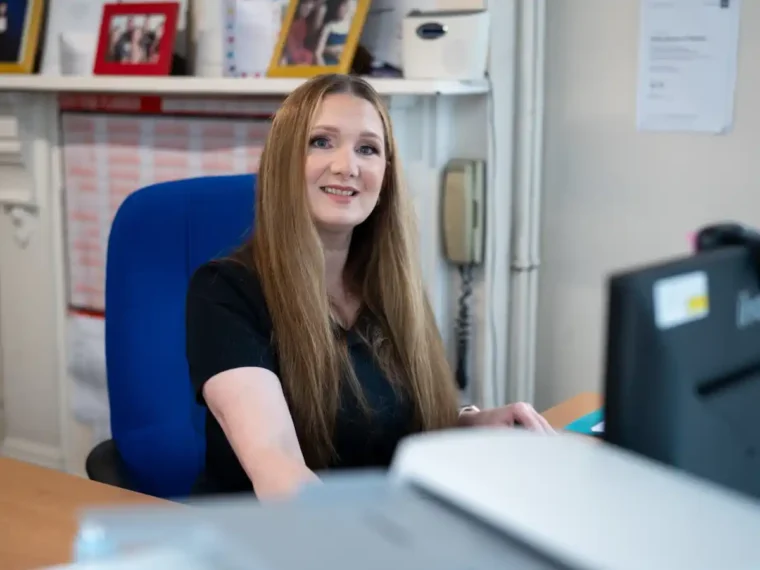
x=39 y=507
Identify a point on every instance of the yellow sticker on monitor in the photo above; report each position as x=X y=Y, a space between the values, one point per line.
x=681 y=299
x=697 y=304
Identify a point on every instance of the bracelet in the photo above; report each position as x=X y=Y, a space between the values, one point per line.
x=468 y=409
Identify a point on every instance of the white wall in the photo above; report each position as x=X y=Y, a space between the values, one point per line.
x=614 y=197
x=31 y=327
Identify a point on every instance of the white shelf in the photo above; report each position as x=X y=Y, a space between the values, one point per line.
x=220 y=86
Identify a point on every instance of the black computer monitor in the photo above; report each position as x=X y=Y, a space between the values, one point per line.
x=682 y=378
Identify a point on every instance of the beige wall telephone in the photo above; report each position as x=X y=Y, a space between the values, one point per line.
x=462 y=219
x=463 y=211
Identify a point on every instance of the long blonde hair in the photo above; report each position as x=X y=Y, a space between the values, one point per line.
x=382 y=268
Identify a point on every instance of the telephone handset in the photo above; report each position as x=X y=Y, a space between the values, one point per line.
x=462 y=219
x=463 y=211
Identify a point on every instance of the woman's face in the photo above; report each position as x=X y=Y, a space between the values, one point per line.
x=305 y=8
x=343 y=9
x=345 y=163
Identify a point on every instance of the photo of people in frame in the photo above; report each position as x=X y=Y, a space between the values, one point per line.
x=13 y=14
x=135 y=39
x=318 y=32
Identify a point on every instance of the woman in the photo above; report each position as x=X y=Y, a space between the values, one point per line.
x=297 y=51
x=332 y=38
x=314 y=346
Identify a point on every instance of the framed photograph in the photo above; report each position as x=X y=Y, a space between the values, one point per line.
x=136 y=38
x=20 y=25
x=70 y=35
x=318 y=36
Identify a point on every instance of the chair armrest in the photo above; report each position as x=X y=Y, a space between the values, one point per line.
x=105 y=465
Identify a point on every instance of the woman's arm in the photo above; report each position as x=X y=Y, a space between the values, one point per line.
x=319 y=19
x=295 y=40
x=250 y=407
x=319 y=51
x=520 y=414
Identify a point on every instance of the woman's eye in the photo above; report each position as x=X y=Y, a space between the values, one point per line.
x=368 y=149
x=322 y=142
x=319 y=142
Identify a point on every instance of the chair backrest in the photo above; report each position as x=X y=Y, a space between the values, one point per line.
x=160 y=235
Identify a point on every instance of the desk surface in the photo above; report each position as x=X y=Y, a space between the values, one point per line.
x=38 y=512
x=39 y=507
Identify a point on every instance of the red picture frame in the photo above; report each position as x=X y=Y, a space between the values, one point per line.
x=136 y=38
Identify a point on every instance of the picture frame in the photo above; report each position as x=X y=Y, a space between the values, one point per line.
x=20 y=28
x=74 y=26
x=136 y=38
x=318 y=36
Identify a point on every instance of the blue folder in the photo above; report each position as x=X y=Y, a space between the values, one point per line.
x=585 y=423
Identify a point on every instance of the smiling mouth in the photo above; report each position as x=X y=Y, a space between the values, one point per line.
x=335 y=191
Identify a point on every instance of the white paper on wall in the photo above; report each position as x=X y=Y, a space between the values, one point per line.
x=251 y=31
x=87 y=370
x=688 y=58
x=108 y=157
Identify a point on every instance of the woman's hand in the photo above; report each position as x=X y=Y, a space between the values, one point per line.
x=520 y=414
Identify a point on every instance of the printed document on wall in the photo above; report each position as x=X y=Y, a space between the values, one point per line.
x=687 y=65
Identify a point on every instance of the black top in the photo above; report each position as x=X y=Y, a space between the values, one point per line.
x=229 y=326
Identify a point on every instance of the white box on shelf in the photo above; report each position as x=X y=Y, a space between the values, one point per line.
x=445 y=44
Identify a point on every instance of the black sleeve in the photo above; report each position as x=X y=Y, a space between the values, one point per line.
x=227 y=323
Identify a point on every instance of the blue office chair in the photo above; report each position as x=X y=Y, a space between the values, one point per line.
x=160 y=235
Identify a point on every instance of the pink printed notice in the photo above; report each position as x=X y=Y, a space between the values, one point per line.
x=106 y=157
